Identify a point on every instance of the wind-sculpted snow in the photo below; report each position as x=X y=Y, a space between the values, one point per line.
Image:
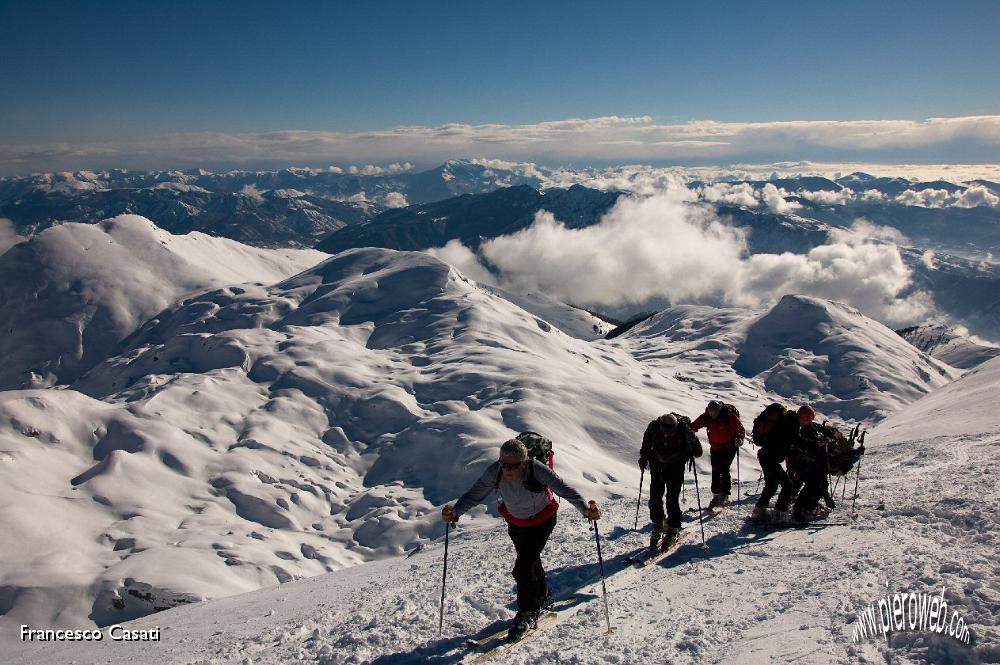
x=831 y=355
x=253 y=434
x=804 y=350
x=948 y=345
x=72 y=293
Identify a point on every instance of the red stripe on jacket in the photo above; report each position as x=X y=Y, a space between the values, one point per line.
x=538 y=518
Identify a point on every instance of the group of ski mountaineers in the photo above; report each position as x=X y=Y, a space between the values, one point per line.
x=527 y=487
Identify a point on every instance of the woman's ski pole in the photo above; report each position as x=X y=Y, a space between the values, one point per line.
x=444 y=578
x=600 y=560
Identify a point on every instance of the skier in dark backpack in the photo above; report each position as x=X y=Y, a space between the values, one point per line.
x=775 y=430
x=525 y=486
x=808 y=459
x=725 y=435
x=668 y=444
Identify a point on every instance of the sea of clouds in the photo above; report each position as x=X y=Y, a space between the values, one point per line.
x=671 y=246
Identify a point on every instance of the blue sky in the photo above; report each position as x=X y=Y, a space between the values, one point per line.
x=90 y=72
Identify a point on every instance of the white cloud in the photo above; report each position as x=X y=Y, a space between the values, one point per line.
x=928 y=259
x=395 y=200
x=662 y=246
x=827 y=197
x=742 y=194
x=775 y=199
x=462 y=258
x=976 y=196
x=251 y=192
x=863 y=228
x=872 y=196
x=854 y=267
x=643 y=248
x=605 y=139
x=925 y=198
x=8 y=235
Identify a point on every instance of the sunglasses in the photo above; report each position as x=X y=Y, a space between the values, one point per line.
x=508 y=466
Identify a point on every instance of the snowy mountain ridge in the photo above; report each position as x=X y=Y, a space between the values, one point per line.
x=256 y=433
x=948 y=345
x=749 y=597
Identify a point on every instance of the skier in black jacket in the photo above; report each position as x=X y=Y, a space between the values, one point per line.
x=808 y=460
x=667 y=446
x=775 y=445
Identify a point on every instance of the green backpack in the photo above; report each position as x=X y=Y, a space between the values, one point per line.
x=539 y=448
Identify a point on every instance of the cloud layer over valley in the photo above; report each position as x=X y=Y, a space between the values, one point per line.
x=602 y=140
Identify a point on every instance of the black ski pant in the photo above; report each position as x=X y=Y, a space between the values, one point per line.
x=814 y=486
x=666 y=478
x=722 y=459
x=774 y=477
x=529 y=541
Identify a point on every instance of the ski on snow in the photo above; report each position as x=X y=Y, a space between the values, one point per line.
x=494 y=644
x=761 y=524
x=648 y=558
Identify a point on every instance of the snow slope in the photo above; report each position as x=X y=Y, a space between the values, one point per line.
x=802 y=350
x=250 y=435
x=924 y=525
x=948 y=346
x=255 y=434
x=70 y=294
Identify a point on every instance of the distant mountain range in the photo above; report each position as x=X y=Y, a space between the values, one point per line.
x=472 y=218
x=287 y=208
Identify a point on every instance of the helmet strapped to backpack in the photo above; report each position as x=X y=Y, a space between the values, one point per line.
x=538 y=446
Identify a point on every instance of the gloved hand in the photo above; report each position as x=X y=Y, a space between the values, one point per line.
x=643 y=463
x=448 y=514
x=593 y=512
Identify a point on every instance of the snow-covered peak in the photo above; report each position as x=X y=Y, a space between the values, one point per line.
x=834 y=356
x=71 y=293
x=948 y=345
x=802 y=349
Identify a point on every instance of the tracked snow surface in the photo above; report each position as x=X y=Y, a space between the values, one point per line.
x=295 y=441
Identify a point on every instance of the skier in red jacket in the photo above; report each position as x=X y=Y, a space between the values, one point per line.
x=725 y=435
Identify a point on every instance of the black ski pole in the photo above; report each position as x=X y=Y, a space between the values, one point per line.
x=857 y=479
x=701 y=518
x=444 y=578
x=638 y=502
x=739 y=487
x=600 y=560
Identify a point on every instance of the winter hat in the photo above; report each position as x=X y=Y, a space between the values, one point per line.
x=806 y=412
x=667 y=422
x=713 y=407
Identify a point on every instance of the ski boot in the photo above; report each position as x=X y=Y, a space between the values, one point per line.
x=672 y=534
x=654 y=538
x=759 y=514
x=716 y=501
x=780 y=516
x=523 y=622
